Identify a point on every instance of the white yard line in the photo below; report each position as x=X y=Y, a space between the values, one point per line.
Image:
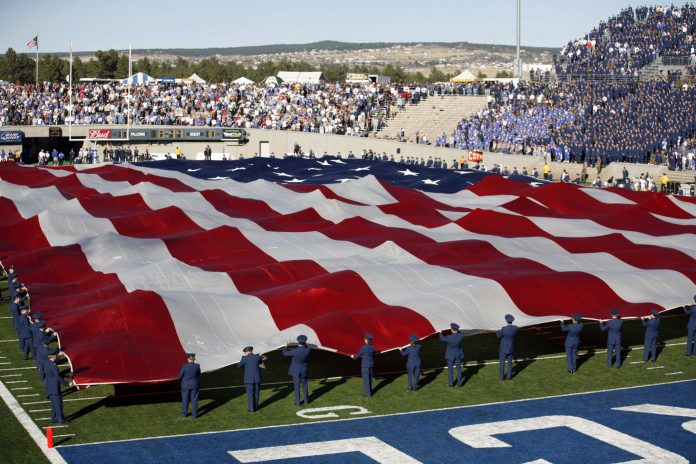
x=32 y=429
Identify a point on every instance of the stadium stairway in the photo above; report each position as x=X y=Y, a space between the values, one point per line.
x=658 y=70
x=432 y=116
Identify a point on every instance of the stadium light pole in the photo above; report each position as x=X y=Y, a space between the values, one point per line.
x=518 y=60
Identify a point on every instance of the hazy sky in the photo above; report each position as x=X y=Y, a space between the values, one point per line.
x=100 y=25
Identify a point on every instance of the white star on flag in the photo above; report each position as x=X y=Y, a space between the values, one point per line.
x=408 y=172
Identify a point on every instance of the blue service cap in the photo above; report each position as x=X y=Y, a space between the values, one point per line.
x=509 y=318
x=614 y=312
x=38 y=314
x=53 y=351
x=413 y=337
x=454 y=326
x=190 y=355
x=576 y=317
x=302 y=339
x=368 y=336
x=655 y=312
x=248 y=348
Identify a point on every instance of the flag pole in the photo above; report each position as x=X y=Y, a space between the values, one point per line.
x=37 y=59
x=130 y=76
x=70 y=92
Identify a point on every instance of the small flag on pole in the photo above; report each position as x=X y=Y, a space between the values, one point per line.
x=33 y=42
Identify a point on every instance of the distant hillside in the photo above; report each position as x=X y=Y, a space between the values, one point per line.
x=322 y=45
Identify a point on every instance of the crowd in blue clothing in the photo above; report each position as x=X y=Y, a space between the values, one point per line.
x=629 y=41
x=584 y=121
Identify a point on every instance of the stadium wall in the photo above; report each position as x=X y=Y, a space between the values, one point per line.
x=281 y=142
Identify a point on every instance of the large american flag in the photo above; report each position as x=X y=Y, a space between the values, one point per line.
x=136 y=264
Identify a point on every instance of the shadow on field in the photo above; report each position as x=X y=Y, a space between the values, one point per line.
x=86 y=410
x=470 y=371
x=326 y=387
x=429 y=377
x=282 y=391
x=386 y=380
x=521 y=365
x=61 y=441
x=583 y=358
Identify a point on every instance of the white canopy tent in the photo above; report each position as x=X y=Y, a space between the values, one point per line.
x=242 y=81
x=271 y=80
x=138 y=78
x=301 y=77
x=195 y=78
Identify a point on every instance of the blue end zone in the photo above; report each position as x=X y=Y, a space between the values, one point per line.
x=425 y=437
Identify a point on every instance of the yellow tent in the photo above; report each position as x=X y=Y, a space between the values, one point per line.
x=464 y=76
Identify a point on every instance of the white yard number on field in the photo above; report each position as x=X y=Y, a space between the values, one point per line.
x=370 y=446
x=481 y=436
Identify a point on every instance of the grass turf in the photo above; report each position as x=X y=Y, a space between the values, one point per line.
x=130 y=411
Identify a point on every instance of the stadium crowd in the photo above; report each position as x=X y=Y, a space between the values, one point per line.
x=320 y=108
x=584 y=121
x=629 y=41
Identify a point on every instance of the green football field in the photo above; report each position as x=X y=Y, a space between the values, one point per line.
x=120 y=412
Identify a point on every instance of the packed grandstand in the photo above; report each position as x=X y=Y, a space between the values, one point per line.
x=606 y=102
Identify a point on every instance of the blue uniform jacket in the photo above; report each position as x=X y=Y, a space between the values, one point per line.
x=299 y=355
x=507 y=339
x=651 y=326
x=14 y=310
x=367 y=353
x=413 y=353
x=189 y=374
x=53 y=379
x=252 y=371
x=573 y=337
x=691 y=325
x=24 y=330
x=454 y=350
x=614 y=328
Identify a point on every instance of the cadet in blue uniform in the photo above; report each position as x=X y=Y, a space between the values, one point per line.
x=413 y=362
x=252 y=377
x=367 y=353
x=189 y=375
x=507 y=336
x=53 y=381
x=691 y=329
x=42 y=341
x=298 y=367
x=454 y=353
x=613 y=325
x=35 y=332
x=572 y=342
x=15 y=311
x=24 y=333
x=651 y=323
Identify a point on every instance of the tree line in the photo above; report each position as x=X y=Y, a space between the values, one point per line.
x=21 y=68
